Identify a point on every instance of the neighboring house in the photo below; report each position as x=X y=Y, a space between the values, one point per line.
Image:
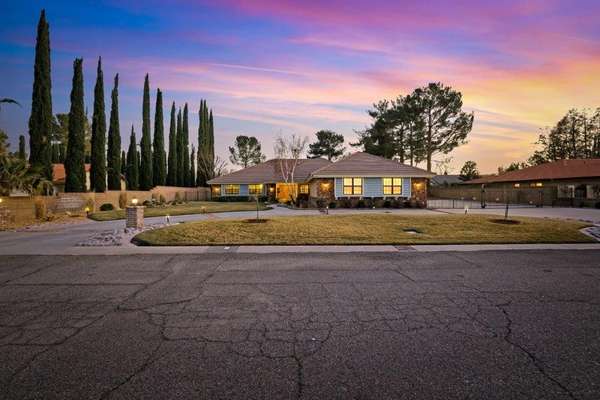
x=360 y=175
x=59 y=175
x=573 y=182
x=445 y=180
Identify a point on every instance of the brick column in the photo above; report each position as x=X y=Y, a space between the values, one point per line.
x=134 y=217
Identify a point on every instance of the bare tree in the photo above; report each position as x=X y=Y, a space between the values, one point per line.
x=288 y=151
x=211 y=168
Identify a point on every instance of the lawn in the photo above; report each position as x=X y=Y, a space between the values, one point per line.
x=193 y=207
x=366 y=229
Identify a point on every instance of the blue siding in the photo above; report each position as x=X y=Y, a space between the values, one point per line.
x=372 y=187
x=243 y=191
x=339 y=187
x=406 y=187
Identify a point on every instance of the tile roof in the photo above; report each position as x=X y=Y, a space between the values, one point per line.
x=270 y=172
x=365 y=165
x=59 y=174
x=561 y=169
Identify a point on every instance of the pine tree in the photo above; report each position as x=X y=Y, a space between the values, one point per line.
x=98 y=159
x=40 y=121
x=133 y=173
x=172 y=171
x=159 y=162
x=146 y=180
x=74 y=163
x=180 y=170
x=22 y=155
x=193 y=167
x=186 y=148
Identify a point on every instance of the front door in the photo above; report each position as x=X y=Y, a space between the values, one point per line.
x=285 y=191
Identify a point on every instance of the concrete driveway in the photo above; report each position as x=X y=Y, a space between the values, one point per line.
x=591 y=215
x=487 y=325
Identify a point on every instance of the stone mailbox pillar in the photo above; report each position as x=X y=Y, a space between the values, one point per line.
x=134 y=217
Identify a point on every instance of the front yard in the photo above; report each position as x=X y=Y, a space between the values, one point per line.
x=193 y=207
x=367 y=229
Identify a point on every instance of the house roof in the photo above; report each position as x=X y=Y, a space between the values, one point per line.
x=561 y=169
x=59 y=174
x=364 y=164
x=441 y=180
x=270 y=172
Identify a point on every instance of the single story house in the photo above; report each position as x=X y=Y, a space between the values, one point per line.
x=574 y=182
x=445 y=180
x=59 y=175
x=359 y=176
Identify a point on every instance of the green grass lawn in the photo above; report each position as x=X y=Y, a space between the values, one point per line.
x=366 y=229
x=193 y=207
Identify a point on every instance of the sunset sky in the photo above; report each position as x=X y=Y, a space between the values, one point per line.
x=269 y=67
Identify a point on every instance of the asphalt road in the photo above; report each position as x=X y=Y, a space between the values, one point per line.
x=483 y=325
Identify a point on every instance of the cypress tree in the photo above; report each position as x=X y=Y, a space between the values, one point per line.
x=22 y=155
x=74 y=163
x=146 y=180
x=133 y=172
x=211 y=138
x=115 y=161
x=159 y=162
x=180 y=171
x=56 y=153
x=123 y=163
x=201 y=178
x=193 y=167
x=172 y=171
x=98 y=156
x=40 y=121
x=186 y=149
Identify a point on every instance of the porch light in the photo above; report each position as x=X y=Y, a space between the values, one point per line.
x=271 y=189
x=217 y=189
x=1 y=200
x=325 y=185
x=418 y=185
x=134 y=201
x=87 y=210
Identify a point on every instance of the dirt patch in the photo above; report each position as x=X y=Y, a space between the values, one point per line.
x=505 y=221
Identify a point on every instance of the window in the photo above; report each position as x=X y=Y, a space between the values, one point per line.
x=392 y=186
x=232 y=190
x=536 y=184
x=255 y=190
x=352 y=186
x=304 y=189
x=517 y=185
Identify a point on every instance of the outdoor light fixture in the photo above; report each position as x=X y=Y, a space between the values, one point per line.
x=134 y=201
x=271 y=189
x=325 y=185
x=1 y=200
x=87 y=211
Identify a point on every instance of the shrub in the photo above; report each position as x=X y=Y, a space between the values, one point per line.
x=107 y=207
x=161 y=199
x=378 y=203
x=398 y=203
x=148 y=203
x=387 y=203
x=321 y=202
x=345 y=203
x=41 y=211
x=360 y=204
x=177 y=198
x=155 y=197
x=333 y=204
x=122 y=200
